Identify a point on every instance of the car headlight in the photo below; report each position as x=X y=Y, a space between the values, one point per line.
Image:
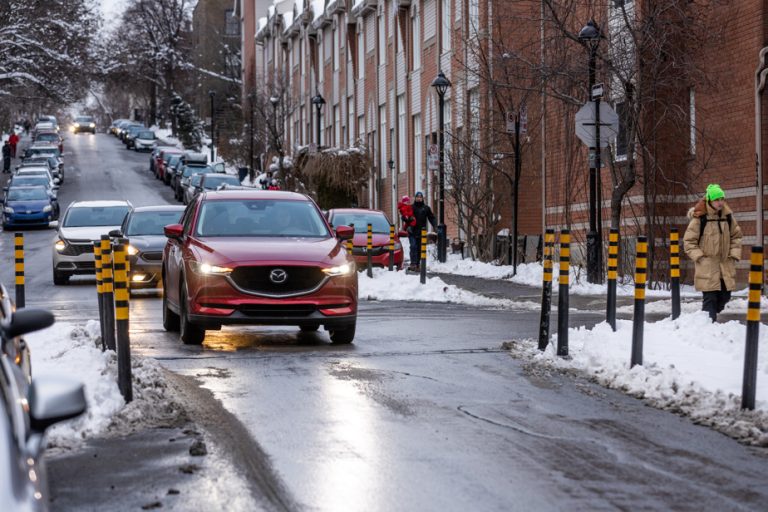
x=341 y=270
x=47 y=208
x=92 y=125
x=77 y=125
x=207 y=269
x=131 y=250
x=8 y=209
x=60 y=245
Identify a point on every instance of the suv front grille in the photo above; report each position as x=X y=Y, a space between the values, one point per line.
x=298 y=279
x=77 y=249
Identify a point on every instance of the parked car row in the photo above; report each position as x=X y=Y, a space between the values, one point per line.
x=134 y=135
x=179 y=170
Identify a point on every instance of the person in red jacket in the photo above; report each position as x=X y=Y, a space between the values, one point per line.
x=273 y=185
x=13 y=140
x=408 y=222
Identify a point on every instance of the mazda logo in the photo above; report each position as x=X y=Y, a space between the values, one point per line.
x=278 y=276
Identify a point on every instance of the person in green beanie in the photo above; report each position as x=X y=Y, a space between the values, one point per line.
x=713 y=242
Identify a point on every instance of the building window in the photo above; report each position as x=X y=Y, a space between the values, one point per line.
x=474 y=17
x=231 y=23
x=621 y=137
x=336 y=49
x=336 y=126
x=417 y=153
x=360 y=53
x=351 y=128
x=383 y=142
x=416 y=38
x=692 y=118
x=445 y=41
x=402 y=149
x=381 y=48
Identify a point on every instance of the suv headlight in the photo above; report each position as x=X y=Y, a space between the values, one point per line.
x=47 y=208
x=207 y=269
x=131 y=250
x=60 y=245
x=341 y=270
x=7 y=209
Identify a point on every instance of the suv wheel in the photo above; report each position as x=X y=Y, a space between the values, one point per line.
x=170 y=319
x=60 y=278
x=343 y=336
x=191 y=334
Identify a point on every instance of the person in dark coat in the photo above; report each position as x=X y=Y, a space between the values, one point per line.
x=6 y=158
x=423 y=214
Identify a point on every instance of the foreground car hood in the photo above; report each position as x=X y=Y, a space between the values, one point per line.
x=86 y=232
x=244 y=249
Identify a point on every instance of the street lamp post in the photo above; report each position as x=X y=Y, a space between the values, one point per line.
x=441 y=85
x=318 y=101
x=590 y=36
x=212 y=94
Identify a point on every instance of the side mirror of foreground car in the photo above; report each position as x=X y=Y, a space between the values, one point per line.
x=345 y=232
x=24 y=321
x=173 y=230
x=115 y=233
x=54 y=399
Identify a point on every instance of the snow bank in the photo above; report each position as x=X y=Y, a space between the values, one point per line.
x=74 y=351
x=691 y=366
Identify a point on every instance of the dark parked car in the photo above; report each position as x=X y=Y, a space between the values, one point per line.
x=360 y=218
x=57 y=170
x=210 y=181
x=29 y=406
x=28 y=206
x=124 y=127
x=50 y=137
x=189 y=170
x=164 y=166
x=129 y=137
x=257 y=257
x=154 y=157
x=143 y=227
x=84 y=124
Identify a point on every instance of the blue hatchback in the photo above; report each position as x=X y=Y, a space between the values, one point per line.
x=27 y=206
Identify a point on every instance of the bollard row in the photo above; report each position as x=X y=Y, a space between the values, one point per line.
x=369 y=250
x=749 y=382
x=391 y=247
x=641 y=273
x=546 y=293
x=19 y=268
x=562 y=296
x=423 y=268
x=613 y=271
x=674 y=271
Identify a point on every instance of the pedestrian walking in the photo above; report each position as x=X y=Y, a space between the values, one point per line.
x=6 y=158
x=266 y=181
x=713 y=242
x=13 y=140
x=408 y=223
x=422 y=214
x=273 y=185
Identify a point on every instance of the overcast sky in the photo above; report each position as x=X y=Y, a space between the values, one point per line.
x=112 y=9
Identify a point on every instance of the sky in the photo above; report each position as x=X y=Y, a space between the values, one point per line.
x=112 y=9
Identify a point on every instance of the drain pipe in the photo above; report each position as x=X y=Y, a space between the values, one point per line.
x=761 y=73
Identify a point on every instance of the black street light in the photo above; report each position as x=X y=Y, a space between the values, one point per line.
x=212 y=94
x=318 y=101
x=441 y=85
x=590 y=37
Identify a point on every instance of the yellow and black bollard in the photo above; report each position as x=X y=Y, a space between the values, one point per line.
x=122 y=325
x=391 y=247
x=674 y=271
x=562 y=295
x=546 y=292
x=99 y=290
x=369 y=250
x=351 y=242
x=753 y=328
x=19 y=266
x=126 y=243
x=423 y=269
x=638 y=322
x=108 y=293
x=613 y=268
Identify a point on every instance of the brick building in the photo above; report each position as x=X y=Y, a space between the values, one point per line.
x=373 y=62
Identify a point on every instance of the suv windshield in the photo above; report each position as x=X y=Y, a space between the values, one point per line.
x=47 y=137
x=82 y=216
x=151 y=223
x=41 y=181
x=44 y=151
x=84 y=119
x=146 y=135
x=213 y=182
x=27 y=194
x=260 y=218
x=189 y=170
x=378 y=222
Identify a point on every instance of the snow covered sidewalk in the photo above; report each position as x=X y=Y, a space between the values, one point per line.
x=691 y=366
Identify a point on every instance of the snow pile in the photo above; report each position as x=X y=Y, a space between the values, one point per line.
x=690 y=366
x=735 y=306
x=74 y=351
x=385 y=285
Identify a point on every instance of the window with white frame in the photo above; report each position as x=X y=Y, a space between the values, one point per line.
x=360 y=53
x=381 y=48
x=416 y=37
x=447 y=138
x=474 y=129
x=402 y=149
x=474 y=17
x=327 y=43
x=351 y=128
x=383 y=140
x=322 y=128
x=336 y=126
x=417 y=153
x=692 y=119
x=446 y=28
x=336 y=44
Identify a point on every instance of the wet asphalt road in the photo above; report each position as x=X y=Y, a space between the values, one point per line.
x=424 y=411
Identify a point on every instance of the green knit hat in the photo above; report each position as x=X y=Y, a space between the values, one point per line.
x=714 y=192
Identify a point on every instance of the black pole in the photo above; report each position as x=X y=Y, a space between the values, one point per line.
x=674 y=271
x=562 y=296
x=592 y=269
x=546 y=292
x=213 y=124
x=613 y=269
x=19 y=260
x=518 y=168
x=441 y=234
x=753 y=328
x=638 y=321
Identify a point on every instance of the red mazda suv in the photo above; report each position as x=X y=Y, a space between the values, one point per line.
x=257 y=257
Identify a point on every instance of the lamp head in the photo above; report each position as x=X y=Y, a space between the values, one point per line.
x=318 y=101
x=590 y=35
x=441 y=84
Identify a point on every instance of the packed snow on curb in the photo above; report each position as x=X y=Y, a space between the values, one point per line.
x=385 y=285
x=690 y=366
x=74 y=351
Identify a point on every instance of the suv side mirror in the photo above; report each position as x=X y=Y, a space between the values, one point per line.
x=115 y=233
x=24 y=321
x=173 y=231
x=54 y=399
x=345 y=232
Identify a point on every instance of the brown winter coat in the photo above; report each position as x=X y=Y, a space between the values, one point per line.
x=718 y=250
